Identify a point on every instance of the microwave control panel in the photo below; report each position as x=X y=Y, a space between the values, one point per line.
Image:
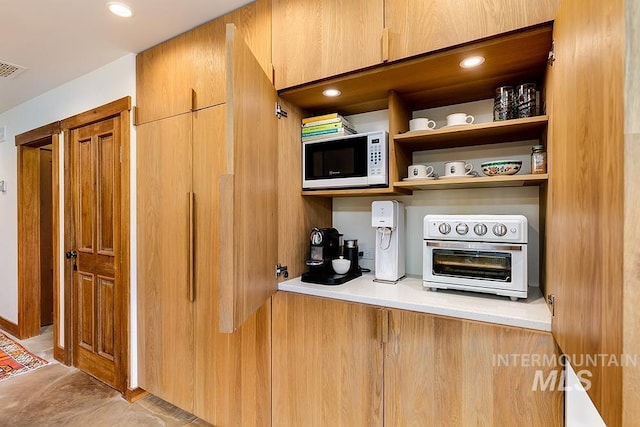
x=377 y=173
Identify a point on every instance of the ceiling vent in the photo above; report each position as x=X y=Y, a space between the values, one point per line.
x=9 y=71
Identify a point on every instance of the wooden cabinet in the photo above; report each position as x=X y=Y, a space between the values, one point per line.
x=188 y=72
x=418 y=26
x=197 y=223
x=448 y=372
x=328 y=368
x=327 y=363
x=314 y=39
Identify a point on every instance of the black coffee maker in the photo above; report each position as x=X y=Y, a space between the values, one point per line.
x=325 y=245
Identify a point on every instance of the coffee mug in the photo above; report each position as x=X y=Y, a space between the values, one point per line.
x=458 y=168
x=420 y=171
x=421 y=123
x=459 y=119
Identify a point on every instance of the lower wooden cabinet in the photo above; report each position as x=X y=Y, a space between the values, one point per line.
x=346 y=364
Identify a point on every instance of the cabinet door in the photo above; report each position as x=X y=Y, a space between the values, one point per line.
x=188 y=72
x=327 y=362
x=248 y=188
x=448 y=372
x=313 y=39
x=165 y=326
x=587 y=210
x=419 y=26
x=232 y=371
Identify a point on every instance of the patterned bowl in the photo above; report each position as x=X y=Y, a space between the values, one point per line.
x=501 y=167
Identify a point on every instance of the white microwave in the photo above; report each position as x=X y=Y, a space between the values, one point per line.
x=351 y=161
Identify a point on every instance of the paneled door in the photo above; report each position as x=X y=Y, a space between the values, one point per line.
x=97 y=293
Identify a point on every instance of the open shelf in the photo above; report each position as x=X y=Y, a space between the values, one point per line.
x=475 y=134
x=357 y=192
x=478 y=182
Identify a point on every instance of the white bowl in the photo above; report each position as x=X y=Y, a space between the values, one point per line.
x=501 y=167
x=341 y=265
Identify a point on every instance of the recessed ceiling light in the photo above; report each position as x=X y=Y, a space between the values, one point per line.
x=120 y=9
x=331 y=92
x=472 y=61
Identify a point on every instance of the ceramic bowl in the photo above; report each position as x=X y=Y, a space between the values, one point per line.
x=501 y=167
x=341 y=265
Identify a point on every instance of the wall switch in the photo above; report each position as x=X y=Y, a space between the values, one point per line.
x=3 y=186
x=3 y=133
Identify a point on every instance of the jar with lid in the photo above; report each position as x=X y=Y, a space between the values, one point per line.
x=538 y=159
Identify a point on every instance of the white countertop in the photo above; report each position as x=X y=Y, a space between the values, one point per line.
x=409 y=294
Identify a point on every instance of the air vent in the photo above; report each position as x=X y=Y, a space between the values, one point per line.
x=9 y=71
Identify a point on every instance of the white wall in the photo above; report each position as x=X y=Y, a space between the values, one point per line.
x=106 y=84
x=578 y=408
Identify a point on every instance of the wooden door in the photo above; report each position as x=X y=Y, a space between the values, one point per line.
x=448 y=372
x=419 y=26
x=248 y=188
x=46 y=237
x=327 y=362
x=585 y=210
x=165 y=320
x=313 y=39
x=97 y=291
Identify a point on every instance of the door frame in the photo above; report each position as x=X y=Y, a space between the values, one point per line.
x=29 y=230
x=119 y=108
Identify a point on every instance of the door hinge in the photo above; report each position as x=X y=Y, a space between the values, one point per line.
x=280 y=113
x=551 y=299
x=552 y=54
x=281 y=270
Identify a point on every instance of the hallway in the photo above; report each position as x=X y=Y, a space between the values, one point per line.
x=58 y=395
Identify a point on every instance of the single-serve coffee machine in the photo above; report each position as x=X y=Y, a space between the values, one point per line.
x=387 y=217
x=325 y=248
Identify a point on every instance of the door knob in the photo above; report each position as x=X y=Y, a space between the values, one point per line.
x=71 y=254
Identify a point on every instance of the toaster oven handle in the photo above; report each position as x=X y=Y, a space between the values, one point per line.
x=477 y=246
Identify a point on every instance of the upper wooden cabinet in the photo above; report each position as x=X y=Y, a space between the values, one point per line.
x=419 y=26
x=188 y=72
x=313 y=39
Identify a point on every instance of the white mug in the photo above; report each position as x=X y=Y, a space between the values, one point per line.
x=420 y=171
x=459 y=119
x=457 y=168
x=421 y=123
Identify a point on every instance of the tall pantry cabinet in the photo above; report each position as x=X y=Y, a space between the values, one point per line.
x=207 y=200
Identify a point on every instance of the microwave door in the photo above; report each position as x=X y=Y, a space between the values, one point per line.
x=340 y=163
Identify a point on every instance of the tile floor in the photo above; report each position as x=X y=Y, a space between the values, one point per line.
x=58 y=395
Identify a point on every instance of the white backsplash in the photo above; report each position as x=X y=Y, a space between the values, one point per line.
x=352 y=215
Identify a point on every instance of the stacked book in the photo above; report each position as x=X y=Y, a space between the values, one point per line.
x=325 y=126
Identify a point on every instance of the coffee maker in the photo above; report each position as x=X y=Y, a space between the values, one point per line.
x=325 y=245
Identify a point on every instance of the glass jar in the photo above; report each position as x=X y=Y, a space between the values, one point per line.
x=538 y=159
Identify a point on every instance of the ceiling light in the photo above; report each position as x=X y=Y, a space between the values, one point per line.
x=120 y=9
x=472 y=61
x=331 y=92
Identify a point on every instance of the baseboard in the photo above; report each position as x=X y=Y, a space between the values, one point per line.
x=59 y=354
x=131 y=395
x=10 y=327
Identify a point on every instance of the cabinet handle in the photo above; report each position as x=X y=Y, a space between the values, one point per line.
x=385 y=44
x=191 y=248
x=383 y=325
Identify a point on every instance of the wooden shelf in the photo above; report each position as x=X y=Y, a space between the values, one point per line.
x=478 y=182
x=475 y=134
x=357 y=192
x=434 y=79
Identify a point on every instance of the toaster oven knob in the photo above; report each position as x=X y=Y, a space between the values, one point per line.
x=480 y=229
x=499 y=230
x=462 y=229
x=444 y=228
